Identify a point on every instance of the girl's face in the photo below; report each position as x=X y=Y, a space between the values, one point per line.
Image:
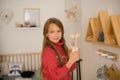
x=54 y=33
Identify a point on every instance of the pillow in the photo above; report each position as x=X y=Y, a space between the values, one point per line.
x=15 y=69
x=27 y=74
x=4 y=68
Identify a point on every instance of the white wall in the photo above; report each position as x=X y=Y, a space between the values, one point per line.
x=27 y=40
x=91 y=62
x=30 y=40
x=22 y=40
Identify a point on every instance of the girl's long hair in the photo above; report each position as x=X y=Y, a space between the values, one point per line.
x=46 y=41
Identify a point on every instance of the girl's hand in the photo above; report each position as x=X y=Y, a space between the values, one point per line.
x=74 y=56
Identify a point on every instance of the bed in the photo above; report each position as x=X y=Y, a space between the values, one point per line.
x=29 y=61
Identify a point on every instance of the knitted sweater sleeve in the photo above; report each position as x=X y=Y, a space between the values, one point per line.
x=73 y=67
x=51 y=65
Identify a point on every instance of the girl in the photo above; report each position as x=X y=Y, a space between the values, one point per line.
x=57 y=61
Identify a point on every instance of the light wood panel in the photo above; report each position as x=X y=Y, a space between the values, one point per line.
x=115 y=20
x=109 y=25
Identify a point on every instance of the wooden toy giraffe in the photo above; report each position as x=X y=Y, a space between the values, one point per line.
x=74 y=48
x=74 y=43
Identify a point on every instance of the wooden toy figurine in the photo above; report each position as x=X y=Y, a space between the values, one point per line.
x=74 y=48
x=74 y=43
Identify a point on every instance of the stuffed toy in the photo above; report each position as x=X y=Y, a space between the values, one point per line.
x=101 y=73
x=113 y=72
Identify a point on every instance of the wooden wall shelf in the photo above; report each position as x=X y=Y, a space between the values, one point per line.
x=108 y=54
x=104 y=30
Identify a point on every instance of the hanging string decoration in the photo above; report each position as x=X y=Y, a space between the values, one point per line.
x=5 y=16
x=71 y=10
x=71 y=13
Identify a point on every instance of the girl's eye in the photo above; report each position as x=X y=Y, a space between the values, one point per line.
x=59 y=31
x=52 y=32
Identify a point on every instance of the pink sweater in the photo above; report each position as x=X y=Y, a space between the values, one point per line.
x=52 y=70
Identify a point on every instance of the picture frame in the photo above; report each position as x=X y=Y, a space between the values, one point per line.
x=31 y=17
